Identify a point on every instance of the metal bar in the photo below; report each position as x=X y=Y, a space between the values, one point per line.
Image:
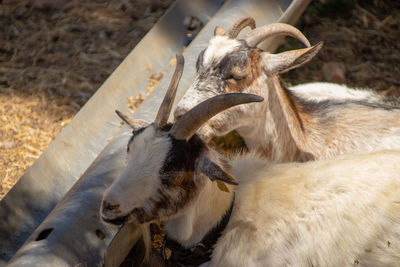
x=75 y=148
x=73 y=234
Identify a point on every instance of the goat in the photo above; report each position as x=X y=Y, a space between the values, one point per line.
x=288 y=126
x=336 y=212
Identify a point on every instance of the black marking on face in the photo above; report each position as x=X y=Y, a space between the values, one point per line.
x=182 y=155
x=177 y=179
x=237 y=59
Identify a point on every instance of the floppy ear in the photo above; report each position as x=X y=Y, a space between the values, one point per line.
x=283 y=62
x=214 y=172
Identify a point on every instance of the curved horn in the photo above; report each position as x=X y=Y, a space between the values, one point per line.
x=258 y=35
x=239 y=25
x=125 y=118
x=187 y=125
x=166 y=105
x=133 y=123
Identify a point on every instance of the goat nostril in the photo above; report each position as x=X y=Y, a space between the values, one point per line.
x=109 y=206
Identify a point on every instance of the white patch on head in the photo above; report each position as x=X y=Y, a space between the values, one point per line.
x=140 y=179
x=218 y=47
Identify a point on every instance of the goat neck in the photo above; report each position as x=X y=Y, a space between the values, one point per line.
x=206 y=211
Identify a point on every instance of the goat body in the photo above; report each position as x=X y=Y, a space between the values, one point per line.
x=323 y=213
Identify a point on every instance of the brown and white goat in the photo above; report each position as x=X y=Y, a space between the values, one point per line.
x=288 y=126
x=337 y=212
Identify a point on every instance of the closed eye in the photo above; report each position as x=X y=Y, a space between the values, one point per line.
x=231 y=76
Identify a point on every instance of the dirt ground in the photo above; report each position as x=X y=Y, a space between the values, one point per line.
x=361 y=38
x=54 y=54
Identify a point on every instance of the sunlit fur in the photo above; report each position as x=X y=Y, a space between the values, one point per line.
x=337 y=212
x=321 y=91
x=220 y=47
x=142 y=171
x=340 y=212
x=290 y=125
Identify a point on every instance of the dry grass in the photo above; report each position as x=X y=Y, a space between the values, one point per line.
x=54 y=54
x=365 y=36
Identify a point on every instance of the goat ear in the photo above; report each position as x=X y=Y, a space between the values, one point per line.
x=215 y=172
x=283 y=62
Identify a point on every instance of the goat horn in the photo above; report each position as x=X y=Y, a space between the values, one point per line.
x=125 y=118
x=258 y=35
x=239 y=25
x=166 y=105
x=187 y=125
x=133 y=123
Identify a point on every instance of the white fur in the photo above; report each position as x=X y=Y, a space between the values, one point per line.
x=324 y=213
x=203 y=214
x=219 y=47
x=337 y=212
x=143 y=172
x=320 y=91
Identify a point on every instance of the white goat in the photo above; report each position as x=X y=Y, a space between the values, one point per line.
x=288 y=126
x=340 y=212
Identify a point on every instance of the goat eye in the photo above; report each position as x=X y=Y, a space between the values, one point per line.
x=231 y=77
x=237 y=78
